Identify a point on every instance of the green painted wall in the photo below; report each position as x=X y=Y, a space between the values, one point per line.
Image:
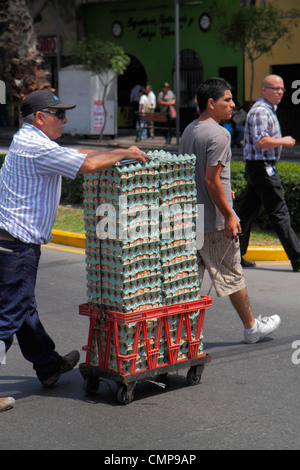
x=148 y=34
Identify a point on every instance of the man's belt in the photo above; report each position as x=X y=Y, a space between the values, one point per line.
x=5 y=235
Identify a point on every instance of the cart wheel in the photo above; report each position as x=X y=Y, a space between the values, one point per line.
x=91 y=385
x=124 y=397
x=192 y=377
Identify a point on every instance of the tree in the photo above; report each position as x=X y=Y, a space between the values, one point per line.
x=255 y=30
x=102 y=58
x=25 y=60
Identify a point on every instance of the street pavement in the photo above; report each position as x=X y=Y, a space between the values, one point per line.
x=248 y=397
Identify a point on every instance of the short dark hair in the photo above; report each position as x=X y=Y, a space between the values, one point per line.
x=212 y=88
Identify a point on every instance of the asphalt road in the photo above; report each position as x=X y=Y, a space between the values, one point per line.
x=248 y=397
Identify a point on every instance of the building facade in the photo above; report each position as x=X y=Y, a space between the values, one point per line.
x=284 y=60
x=146 y=31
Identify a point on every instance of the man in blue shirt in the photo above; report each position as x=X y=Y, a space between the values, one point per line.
x=30 y=189
x=262 y=148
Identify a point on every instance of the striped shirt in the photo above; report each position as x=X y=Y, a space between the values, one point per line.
x=30 y=184
x=261 y=122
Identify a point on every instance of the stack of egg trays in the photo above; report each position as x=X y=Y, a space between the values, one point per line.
x=161 y=263
x=116 y=269
x=180 y=280
x=179 y=268
x=92 y=245
x=183 y=341
x=127 y=278
x=128 y=334
x=126 y=337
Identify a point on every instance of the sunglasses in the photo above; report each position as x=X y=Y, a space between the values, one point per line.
x=60 y=113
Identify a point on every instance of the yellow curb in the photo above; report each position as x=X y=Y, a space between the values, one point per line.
x=266 y=253
x=254 y=253
x=68 y=238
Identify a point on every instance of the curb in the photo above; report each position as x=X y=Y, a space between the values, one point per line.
x=254 y=253
x=68 y=238
x=266 y=253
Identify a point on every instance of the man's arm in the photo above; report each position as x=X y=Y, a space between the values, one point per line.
x=216 y=191
x=99 y=160
x=259 y=125
x=167 y=103
x=271 y=143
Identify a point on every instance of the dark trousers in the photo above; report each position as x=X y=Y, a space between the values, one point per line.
x=170 y=126
x=265 y=190
x=18 y=313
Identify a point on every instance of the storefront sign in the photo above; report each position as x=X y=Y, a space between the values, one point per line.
x=157 y=26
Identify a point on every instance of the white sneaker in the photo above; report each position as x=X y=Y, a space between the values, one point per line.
x=266 y=325
x=6 y=403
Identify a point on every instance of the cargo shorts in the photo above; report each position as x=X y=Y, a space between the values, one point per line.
x=227 y=277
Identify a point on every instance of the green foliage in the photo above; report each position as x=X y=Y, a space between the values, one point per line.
x=290 y=178
x=255 y=29
x=100 y=56
x=72 y=190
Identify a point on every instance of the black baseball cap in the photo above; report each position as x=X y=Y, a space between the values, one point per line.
x=42 y=99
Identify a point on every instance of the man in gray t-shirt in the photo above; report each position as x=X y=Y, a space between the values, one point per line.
x=220 y=253
x=203 y=138
x=166 y=100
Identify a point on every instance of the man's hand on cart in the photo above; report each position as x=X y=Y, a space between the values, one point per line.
x=136 y=154
x=98 y=160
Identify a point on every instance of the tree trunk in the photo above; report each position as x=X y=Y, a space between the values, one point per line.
x=19 y=40
x=105 y=88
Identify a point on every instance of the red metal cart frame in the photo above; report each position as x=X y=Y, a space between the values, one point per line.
x=104 y=339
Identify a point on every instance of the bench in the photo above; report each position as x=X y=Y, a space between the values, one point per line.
x=160 y=121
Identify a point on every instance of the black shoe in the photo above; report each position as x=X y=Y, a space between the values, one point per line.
x=68 y=363
x=296 y=266
x=247 y=264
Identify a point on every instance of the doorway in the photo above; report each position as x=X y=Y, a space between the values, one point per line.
x=135 y=74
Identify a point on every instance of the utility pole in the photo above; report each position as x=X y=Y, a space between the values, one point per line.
x=58 y=52
x=177 y=69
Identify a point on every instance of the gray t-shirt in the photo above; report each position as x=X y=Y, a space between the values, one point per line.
x=210 y=142
x=169 y=97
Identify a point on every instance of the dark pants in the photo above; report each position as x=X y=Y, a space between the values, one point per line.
x=18 y=314
x=266 y=190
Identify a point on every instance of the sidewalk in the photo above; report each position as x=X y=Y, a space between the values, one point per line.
x=125 y=139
